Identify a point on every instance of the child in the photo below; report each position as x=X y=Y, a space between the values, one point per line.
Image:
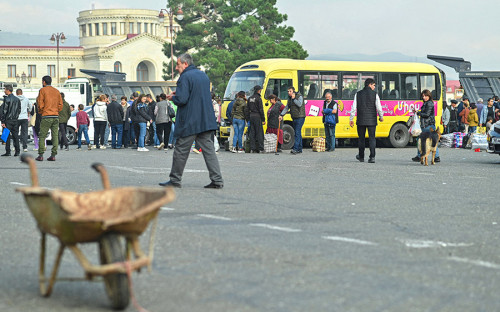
x=82 y=125
x=489 y=123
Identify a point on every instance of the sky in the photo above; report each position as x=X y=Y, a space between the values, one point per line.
x=458 y=28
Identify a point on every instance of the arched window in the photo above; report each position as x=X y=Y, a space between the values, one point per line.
x=118 y=67
x=142 y=72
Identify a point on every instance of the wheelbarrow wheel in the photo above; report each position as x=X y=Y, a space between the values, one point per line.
x=116 y=284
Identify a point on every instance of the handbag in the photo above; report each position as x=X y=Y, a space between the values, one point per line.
x=170 y=111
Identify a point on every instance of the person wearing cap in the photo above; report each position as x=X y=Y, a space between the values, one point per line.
x=453 y=120
x=255 y=114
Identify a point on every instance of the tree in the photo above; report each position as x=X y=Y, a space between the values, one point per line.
x=223 y=34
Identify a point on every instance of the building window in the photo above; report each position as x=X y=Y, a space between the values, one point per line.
x=71 y=72
x=122 y=28
x=11 y=71
x=84 y=30
x=90 y=29
x=97 y=29
x=51 y=70
x=104 y=29
x=32 y=70
x=113 y=28
x=139 y=27
x=130 y=28
x=142 y=72
x=118 y=67
x=146 y=27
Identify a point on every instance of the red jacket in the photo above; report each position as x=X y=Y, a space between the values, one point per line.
x=464 y=113
x=82 y=119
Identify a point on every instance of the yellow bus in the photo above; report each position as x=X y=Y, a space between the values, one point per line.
x=398 y=85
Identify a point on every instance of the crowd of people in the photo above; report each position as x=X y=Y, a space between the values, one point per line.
x=466 y=116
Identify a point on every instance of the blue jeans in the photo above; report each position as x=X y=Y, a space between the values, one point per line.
x=142 y=134
x=239 y=128
x=116 y=135
x=132 y=133
x=472 y=129
x=297 y=127
x=85 y=130
x=428 y=129
x=330 y=137
x=171 y=139
x=155 y=136
x=106 y=134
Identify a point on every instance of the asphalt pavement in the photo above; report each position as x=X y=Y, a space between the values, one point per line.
x=308 y=232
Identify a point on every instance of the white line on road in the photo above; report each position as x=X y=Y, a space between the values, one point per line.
x=17 y=183
x=127 y=169
x=476 y=262
x=167 y=209
x=415 y=243
x=209 y=216
x=277 y=228
x=348 y=240
x=424 y=173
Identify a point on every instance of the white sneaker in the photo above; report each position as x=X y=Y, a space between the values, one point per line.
x=142 y=149
x=233 y=150
x=25 y=150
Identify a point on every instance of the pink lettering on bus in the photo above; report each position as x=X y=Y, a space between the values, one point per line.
x=390 y=108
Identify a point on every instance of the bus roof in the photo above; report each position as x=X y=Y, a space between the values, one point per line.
x=269 y=65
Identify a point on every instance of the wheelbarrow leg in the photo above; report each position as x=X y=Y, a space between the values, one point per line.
x=46 y=288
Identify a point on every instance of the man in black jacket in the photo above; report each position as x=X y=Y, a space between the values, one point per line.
x=115 y=119
x=11 y=109
x=367 y=104
x=255 y=113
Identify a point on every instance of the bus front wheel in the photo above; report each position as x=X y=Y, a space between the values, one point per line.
x=399 y=135
x=288 y=137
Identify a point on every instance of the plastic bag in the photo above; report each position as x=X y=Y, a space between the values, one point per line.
x=415 y=129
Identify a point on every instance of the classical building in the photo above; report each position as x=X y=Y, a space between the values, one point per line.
x=120 y=40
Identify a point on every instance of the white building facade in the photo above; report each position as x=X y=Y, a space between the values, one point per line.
x=121 y=40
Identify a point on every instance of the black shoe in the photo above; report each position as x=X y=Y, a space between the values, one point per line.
x=52 y=158
x=293 y=151
x=437 y=159
x=416 y=158
x=6 y=154
x=360 y=159
x=39 y=158
x=170 y=183
x=67 y=148
x=16 y=154
x=371 y=160
x=212 y=185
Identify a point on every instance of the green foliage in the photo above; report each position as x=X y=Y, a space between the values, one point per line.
x=223 y=34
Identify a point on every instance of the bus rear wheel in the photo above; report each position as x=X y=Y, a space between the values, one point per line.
x=399 y=136
x=288 y=137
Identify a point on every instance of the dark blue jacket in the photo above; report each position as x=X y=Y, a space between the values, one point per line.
x=195 y=112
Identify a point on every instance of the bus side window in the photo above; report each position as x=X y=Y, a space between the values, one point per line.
x=310 y=86
x=278 y=87
x=428 y=81
x=329 y=83
x=390 y=86
x=349 y=86
x=409 y=87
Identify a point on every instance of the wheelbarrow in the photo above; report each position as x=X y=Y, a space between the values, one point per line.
x=106 y=217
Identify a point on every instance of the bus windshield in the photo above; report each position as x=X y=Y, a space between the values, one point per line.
x=243 y=81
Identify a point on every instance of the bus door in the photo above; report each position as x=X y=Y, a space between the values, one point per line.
x=277 y=84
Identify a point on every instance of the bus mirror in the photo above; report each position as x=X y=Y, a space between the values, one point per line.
x=267 y=103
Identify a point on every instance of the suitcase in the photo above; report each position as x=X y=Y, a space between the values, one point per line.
x=318 y=145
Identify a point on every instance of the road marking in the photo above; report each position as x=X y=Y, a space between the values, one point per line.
x=424 y=173
x=348 y=240
x=476 y=262
x=128 y=169
x=153 y=170
x=17 y=183
x=209 y=216
x=277 y=228
x=167 y=209
x=415 y=243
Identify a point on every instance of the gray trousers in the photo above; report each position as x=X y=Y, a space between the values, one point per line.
x=181 y=153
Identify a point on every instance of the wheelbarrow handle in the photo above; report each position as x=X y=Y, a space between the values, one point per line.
x=104 y=175
x=28 y=159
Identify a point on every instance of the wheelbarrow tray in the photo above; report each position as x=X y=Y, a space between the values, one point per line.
x=85 y=217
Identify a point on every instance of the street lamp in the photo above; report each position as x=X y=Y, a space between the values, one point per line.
x=56 y=38
x=161 y=18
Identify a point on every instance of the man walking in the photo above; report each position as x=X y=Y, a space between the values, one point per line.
x=11 y=109
x=298 y=112
x=49 y=103
x=26 y=107
x=115 y=119
x=195 y=121
x=367 y=104
x=64 y=116
x=257 y=119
